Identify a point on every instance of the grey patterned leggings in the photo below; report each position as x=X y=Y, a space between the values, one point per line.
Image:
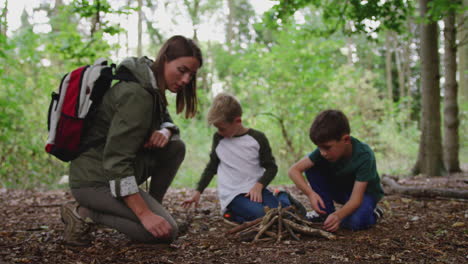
x=161 y=165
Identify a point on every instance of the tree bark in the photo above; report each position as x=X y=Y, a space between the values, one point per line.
x=127 y=39
x=388 y=65
x=96 y=23
x=430 y=152
x=392 y=186
x=451 y=121
x=140 y=28
x=230 y=24
x=462 y=35
x=401 y=72
x=3 y=19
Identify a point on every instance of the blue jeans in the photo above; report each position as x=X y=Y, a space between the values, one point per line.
x=362 y=218
x=243 y=209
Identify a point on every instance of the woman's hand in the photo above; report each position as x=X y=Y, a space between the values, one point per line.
x=156 y=225
x=158 y=139
x=316 y=202
x=332 y=223
x=195 y=199
x=255 y=193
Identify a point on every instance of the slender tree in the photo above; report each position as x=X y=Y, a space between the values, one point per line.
x=3 y=19
x=430 y=148
x=462 y=35
x=451 y=120
x=388 y=64
x=140 y=28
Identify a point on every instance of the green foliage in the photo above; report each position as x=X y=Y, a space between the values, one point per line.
x=438 y=9
x=32 y=65
x=337 y=14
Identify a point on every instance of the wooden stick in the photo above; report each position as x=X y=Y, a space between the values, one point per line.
x=244 y=226
x=291 y=232
x=269 y=215
x=308 y=230
x=280 y=224
x=264 y=228
x=300 y=220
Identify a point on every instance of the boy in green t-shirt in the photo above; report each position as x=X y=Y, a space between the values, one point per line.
x=341 y=169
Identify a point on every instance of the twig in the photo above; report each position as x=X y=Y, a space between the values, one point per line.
x=244 y=226
x=308 y=230
x=264 y=228
x=46 y=205
x=17 y=244
x=291 y=232
x=300 y=220
x=280 y=223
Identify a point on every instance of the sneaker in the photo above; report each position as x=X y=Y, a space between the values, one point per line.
x=300 y=209
x=315 y=217
x=228 y=218
x=378 y=212
x=77 y=231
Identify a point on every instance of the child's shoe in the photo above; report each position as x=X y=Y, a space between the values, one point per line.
x=77 y=231
x=315 y=217
x=229 y=219
x=300 y=209
x=378 y=212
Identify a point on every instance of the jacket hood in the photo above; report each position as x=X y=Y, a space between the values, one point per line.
x=140 y=68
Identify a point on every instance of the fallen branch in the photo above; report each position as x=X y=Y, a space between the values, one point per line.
x=309 y=230
x=393 y=187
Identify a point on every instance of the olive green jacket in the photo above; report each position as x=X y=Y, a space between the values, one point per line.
x=130 y=111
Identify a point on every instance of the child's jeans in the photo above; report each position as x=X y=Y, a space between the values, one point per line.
x=362 y=218
x=243 y=209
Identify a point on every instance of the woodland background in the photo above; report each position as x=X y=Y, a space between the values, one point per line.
x=397 y=68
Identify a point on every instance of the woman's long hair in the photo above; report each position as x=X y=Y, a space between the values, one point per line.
x=173 y=48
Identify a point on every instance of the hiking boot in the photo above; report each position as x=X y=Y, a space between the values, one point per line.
x=315 y=217
x=77 y=232
x=378 y=212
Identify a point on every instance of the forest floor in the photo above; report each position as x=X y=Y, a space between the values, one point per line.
x=412 y=231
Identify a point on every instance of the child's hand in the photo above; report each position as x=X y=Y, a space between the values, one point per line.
x=195 y=199
x=255 y=193
x=317 y=203
x=332 y=223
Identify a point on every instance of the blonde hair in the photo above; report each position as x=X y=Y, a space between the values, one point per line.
x=225 y=108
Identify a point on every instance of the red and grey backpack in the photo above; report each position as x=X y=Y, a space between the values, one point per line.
x=79 y=94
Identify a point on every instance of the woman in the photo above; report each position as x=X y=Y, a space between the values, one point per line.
x=139 y=141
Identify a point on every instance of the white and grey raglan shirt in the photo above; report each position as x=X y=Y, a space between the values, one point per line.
x=239 y=162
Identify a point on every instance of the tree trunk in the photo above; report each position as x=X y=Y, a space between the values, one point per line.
x=451 y=121
x=127 y=39
x=140 y=28
x=388 y=66
x=3 y=19
x=230 y=24
x=463 y=54
x=430 y=149
x=407 y=69
x=401 y=73
x=95 y=24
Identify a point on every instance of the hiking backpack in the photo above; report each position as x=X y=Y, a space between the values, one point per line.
x=79 y=94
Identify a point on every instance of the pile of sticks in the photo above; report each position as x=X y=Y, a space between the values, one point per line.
x=278 y=224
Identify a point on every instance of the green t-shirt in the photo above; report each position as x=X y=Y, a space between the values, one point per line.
x=361 y=166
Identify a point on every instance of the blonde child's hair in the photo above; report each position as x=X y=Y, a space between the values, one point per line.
x=225 y=108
